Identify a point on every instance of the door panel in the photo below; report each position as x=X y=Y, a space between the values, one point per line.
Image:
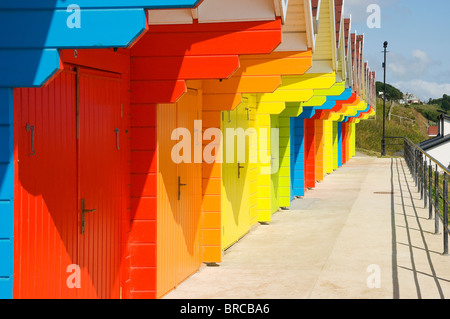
x=236 y=220
x=59 y=165
x=229 y=183
x=179 y=207
x=168 y=251
x=100 y=183
x=274 y=145
x=243 y=194
x=189 y=204
x=45 y=208
x=335 y=146
x=310 y=161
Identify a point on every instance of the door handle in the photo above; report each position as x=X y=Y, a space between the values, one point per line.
x=83 y=213
x=31 y=128
x=179 y=187
x=117 y=138
x=239 y=169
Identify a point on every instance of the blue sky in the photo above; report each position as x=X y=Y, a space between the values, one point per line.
x=418 y=33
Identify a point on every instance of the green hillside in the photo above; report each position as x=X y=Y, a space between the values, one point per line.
x=410 y=121
x=412 y=124
x=430 y=111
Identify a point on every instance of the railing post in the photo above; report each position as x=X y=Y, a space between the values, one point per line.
x=408 y=156
x=421 y=175
x=425 y=171
x=430 y=191
x=415 y=167
x=445 y=214
x=436 y=201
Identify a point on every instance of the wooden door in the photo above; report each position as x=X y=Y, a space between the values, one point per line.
x=64 y=158
x=310 y=157
x=275 y=163
x=236 y=181
x=244 y=178
x=179 y=194
x=230 y=212
x=45 y=206
x=190 y=189
x=167 y=201
x=100 y=180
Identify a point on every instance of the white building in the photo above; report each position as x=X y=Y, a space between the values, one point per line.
x=439 y=147
x=409 y=98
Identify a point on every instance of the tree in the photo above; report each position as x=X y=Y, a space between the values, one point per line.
x=392 y=93
x=446 y=104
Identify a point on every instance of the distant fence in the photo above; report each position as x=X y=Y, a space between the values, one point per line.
x=402 y=119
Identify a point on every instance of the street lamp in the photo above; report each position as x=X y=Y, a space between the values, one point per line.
x=383 y=142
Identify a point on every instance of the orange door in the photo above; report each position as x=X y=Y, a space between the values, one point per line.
x=189 y=203
x=100 y=181
x=179 y=194
x=167 y=223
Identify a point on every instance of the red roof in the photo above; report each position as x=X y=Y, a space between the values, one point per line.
x=346 y=33
x=433 y=131
x=338 y=6
x=315 y=7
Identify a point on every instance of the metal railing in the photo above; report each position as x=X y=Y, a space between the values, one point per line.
x=429 y=174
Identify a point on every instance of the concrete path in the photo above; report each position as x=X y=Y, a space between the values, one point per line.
x=360 y=234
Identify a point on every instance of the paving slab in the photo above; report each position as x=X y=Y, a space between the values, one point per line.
x=362 y=233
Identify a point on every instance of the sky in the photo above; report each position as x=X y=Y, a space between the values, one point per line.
x=418 y=35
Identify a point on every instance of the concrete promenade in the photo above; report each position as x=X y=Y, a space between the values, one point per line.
x=362 y=233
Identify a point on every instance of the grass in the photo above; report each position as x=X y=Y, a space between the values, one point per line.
x=369 y=133
x=429 y=111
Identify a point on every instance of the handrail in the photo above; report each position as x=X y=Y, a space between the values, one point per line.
x=429 y=186
x=445 y=169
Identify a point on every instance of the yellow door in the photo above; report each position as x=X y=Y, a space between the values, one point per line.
x=236 y=221
x=275 y=145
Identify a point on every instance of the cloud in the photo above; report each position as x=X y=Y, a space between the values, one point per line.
x=403 y=68
x=423 y=89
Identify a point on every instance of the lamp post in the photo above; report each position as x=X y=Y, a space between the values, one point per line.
x=383 y=142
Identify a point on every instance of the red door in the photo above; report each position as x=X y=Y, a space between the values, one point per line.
x=45 y=206
x=310 y=161
x=63 y=158
x=100 y=180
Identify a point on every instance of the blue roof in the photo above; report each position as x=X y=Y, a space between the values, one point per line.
x=97 y=4
x=310 y=111
x=37 y=29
